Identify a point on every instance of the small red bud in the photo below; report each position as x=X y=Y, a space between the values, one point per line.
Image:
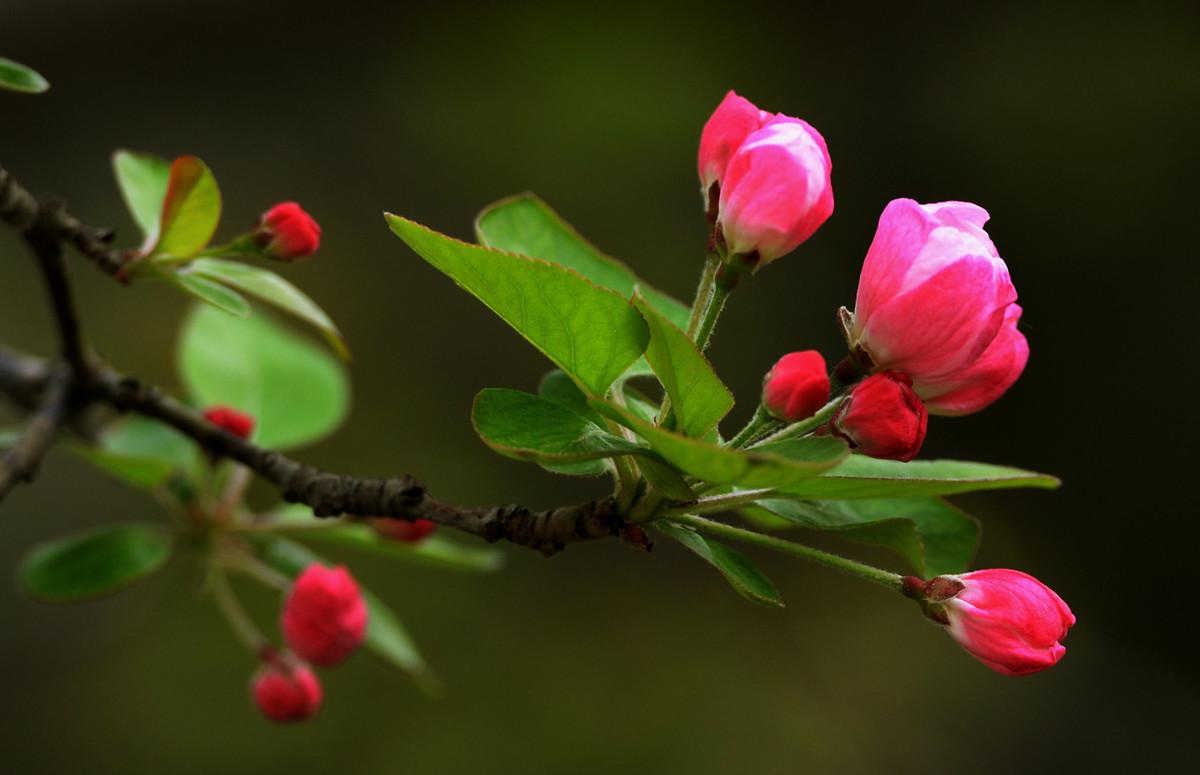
x=324 y=616
x=286 y=232
x=238 y=423
x=796 y=386
x=404 y=530
x=883 y=417
x=286 y=692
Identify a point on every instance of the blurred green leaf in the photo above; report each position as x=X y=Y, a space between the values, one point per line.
x=142 y=178
x=589 y=332
x=526 y=427
x=436 y=550
x=15 y=76
x=386 y=637
x=273 y=289
x=297 y=391
x=933 y=536
x=865 y=477
x=747 y=580
x=93 y=564
x=698 y=397
x=525 y=224
x=9 y=436
x=721 y=465
x=191 y=209
x=141 y=452
x=208 y=291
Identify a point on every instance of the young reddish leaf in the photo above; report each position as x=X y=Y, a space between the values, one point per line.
x=191 y=209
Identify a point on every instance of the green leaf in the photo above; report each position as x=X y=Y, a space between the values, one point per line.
x=141 y=452
x=15 y=76
x=765 y=467
x=747 y=580
x=933 y=536
x=93 y=564
x=386 y=637
x=437 y=550
x=9 y=436
x=525 y=224
x=191 y=209
x=589 y=332
x=559 y=388
x=208 y=291
x=142 y=178
x=865 y=477
x=297 y=391
x=698 y=397
x=526 y=427
x=270 y=287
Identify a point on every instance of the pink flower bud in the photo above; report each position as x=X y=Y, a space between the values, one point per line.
x=324 y=616
x=776 y=191
x=286 y=232
x=404 y=530
x=734 y=119
x=238 y=423
x=796 y=386
x=286 y=693
x=1006 y=619
x=883 y=417
x=935 y=301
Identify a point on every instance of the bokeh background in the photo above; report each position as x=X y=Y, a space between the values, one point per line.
x=1074 y=125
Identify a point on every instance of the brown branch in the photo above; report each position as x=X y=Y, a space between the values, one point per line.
x=20 y=463
x=22 y=210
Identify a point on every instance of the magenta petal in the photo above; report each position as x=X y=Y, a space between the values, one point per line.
x=980 y=384
x=734 y=119
x=903 y=230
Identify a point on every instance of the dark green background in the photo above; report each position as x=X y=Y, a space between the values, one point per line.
x=1075 y=126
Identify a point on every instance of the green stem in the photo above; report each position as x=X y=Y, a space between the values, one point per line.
x=239 y=621
x=703 y=291
x=716 y=303
x=721 y=530
x=823 y=415
x=722 y=502
x=761 y=423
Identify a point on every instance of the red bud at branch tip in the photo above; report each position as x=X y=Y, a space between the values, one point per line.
x=286 y=232
x=324 y=616
x=796 y=386
x=238 y=423
x=286 y=692
x=883 y=417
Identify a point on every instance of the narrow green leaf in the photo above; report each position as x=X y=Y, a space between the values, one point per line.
x=525 y=224
x=721 y=465
x=864 y=477
x=437 y=550
x=93 y=564
x=15 y=76
x=208 y=291
x=698 y=397
x=386 y=637
x=589 y=332
x=747 y=580
x=933 y=536
x=191 y=209
x=297 y=391
x=142 y=178
x=273 y=289
x=526 y=427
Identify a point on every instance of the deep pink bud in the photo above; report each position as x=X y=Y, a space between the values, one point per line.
x=883 y=417
x=935 y=301
x=734 y=119
x=238 y=423
x=287 y=233
x=286 y=693
x=1009 y=621
x=404 y=530
x=796 y=386
x=776 y=191
x=324 y=616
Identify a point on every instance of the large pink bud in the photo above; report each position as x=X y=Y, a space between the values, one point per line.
x=935 y=301
x=324 y=616
x=776 y=191
x=733 y=120
x=1006 y=619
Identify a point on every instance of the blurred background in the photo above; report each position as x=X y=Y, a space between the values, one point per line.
x=1075 y=126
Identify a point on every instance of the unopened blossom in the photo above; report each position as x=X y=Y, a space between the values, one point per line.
x=324 y=616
